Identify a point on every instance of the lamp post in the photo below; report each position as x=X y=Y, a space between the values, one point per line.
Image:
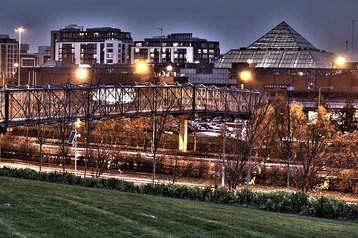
x=319 y=93
x=19 y=30
x=77 y=124
x=288 y=139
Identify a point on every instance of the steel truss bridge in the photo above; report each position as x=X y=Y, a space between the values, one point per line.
x=50 y=104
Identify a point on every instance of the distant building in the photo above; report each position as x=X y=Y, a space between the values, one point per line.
x=8 y=58
x=44 y=54
x=284 y=60
x=104 y=45
x=28 y=59
x=282 y=47
x=175 y=48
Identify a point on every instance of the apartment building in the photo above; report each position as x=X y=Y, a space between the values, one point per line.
x=103 y=45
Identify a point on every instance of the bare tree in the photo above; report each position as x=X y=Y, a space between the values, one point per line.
x=63 y=129
x=236 y=163
x=310 y=146
x=42 y=133
x=106 y=136
x=257 y=122
x=158 y=128
x=101 y=158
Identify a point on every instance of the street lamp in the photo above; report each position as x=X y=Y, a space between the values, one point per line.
x=244 y=76
x=82 y=72
x=142 y=67
x=19 y=30
x=339 y=62
x=319 y=93
x=77 y=125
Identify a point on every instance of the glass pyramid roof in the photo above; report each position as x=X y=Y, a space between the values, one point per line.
x=282 y=47
x=282 y=37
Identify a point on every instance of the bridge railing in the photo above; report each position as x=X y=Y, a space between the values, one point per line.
x=19 y=106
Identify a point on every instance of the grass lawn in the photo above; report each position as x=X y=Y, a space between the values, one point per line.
x=38 y=209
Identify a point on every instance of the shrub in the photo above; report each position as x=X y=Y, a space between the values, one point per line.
x=222 y=195
x=332 y=208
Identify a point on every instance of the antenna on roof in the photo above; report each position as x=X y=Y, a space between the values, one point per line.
x=353 y=21
x=160 y=43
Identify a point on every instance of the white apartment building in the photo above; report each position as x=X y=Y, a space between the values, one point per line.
x=105 y=45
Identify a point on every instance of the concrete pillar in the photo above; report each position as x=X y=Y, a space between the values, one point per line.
x=183 y=134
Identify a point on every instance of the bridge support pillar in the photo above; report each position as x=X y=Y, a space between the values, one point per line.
x=183 y=133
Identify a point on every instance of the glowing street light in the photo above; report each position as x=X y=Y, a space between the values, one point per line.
x=340 y=62
x=81 y=73
x=141 y=67
x=244 y=76
x=169 y=68
x=19 y=30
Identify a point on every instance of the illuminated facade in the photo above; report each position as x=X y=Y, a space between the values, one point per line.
x=282 y=47
x=8 y=57
x=175 y=48
x=105 y=45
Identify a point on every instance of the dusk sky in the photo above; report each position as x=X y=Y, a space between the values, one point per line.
x=327 y=24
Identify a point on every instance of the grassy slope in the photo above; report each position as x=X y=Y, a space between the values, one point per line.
x=37 y=209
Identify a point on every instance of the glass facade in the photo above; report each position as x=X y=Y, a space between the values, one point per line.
x=282 y=47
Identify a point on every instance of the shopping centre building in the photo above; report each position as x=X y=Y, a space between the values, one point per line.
x=282 y=59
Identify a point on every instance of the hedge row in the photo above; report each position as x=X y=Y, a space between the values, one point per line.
x=277 y=201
